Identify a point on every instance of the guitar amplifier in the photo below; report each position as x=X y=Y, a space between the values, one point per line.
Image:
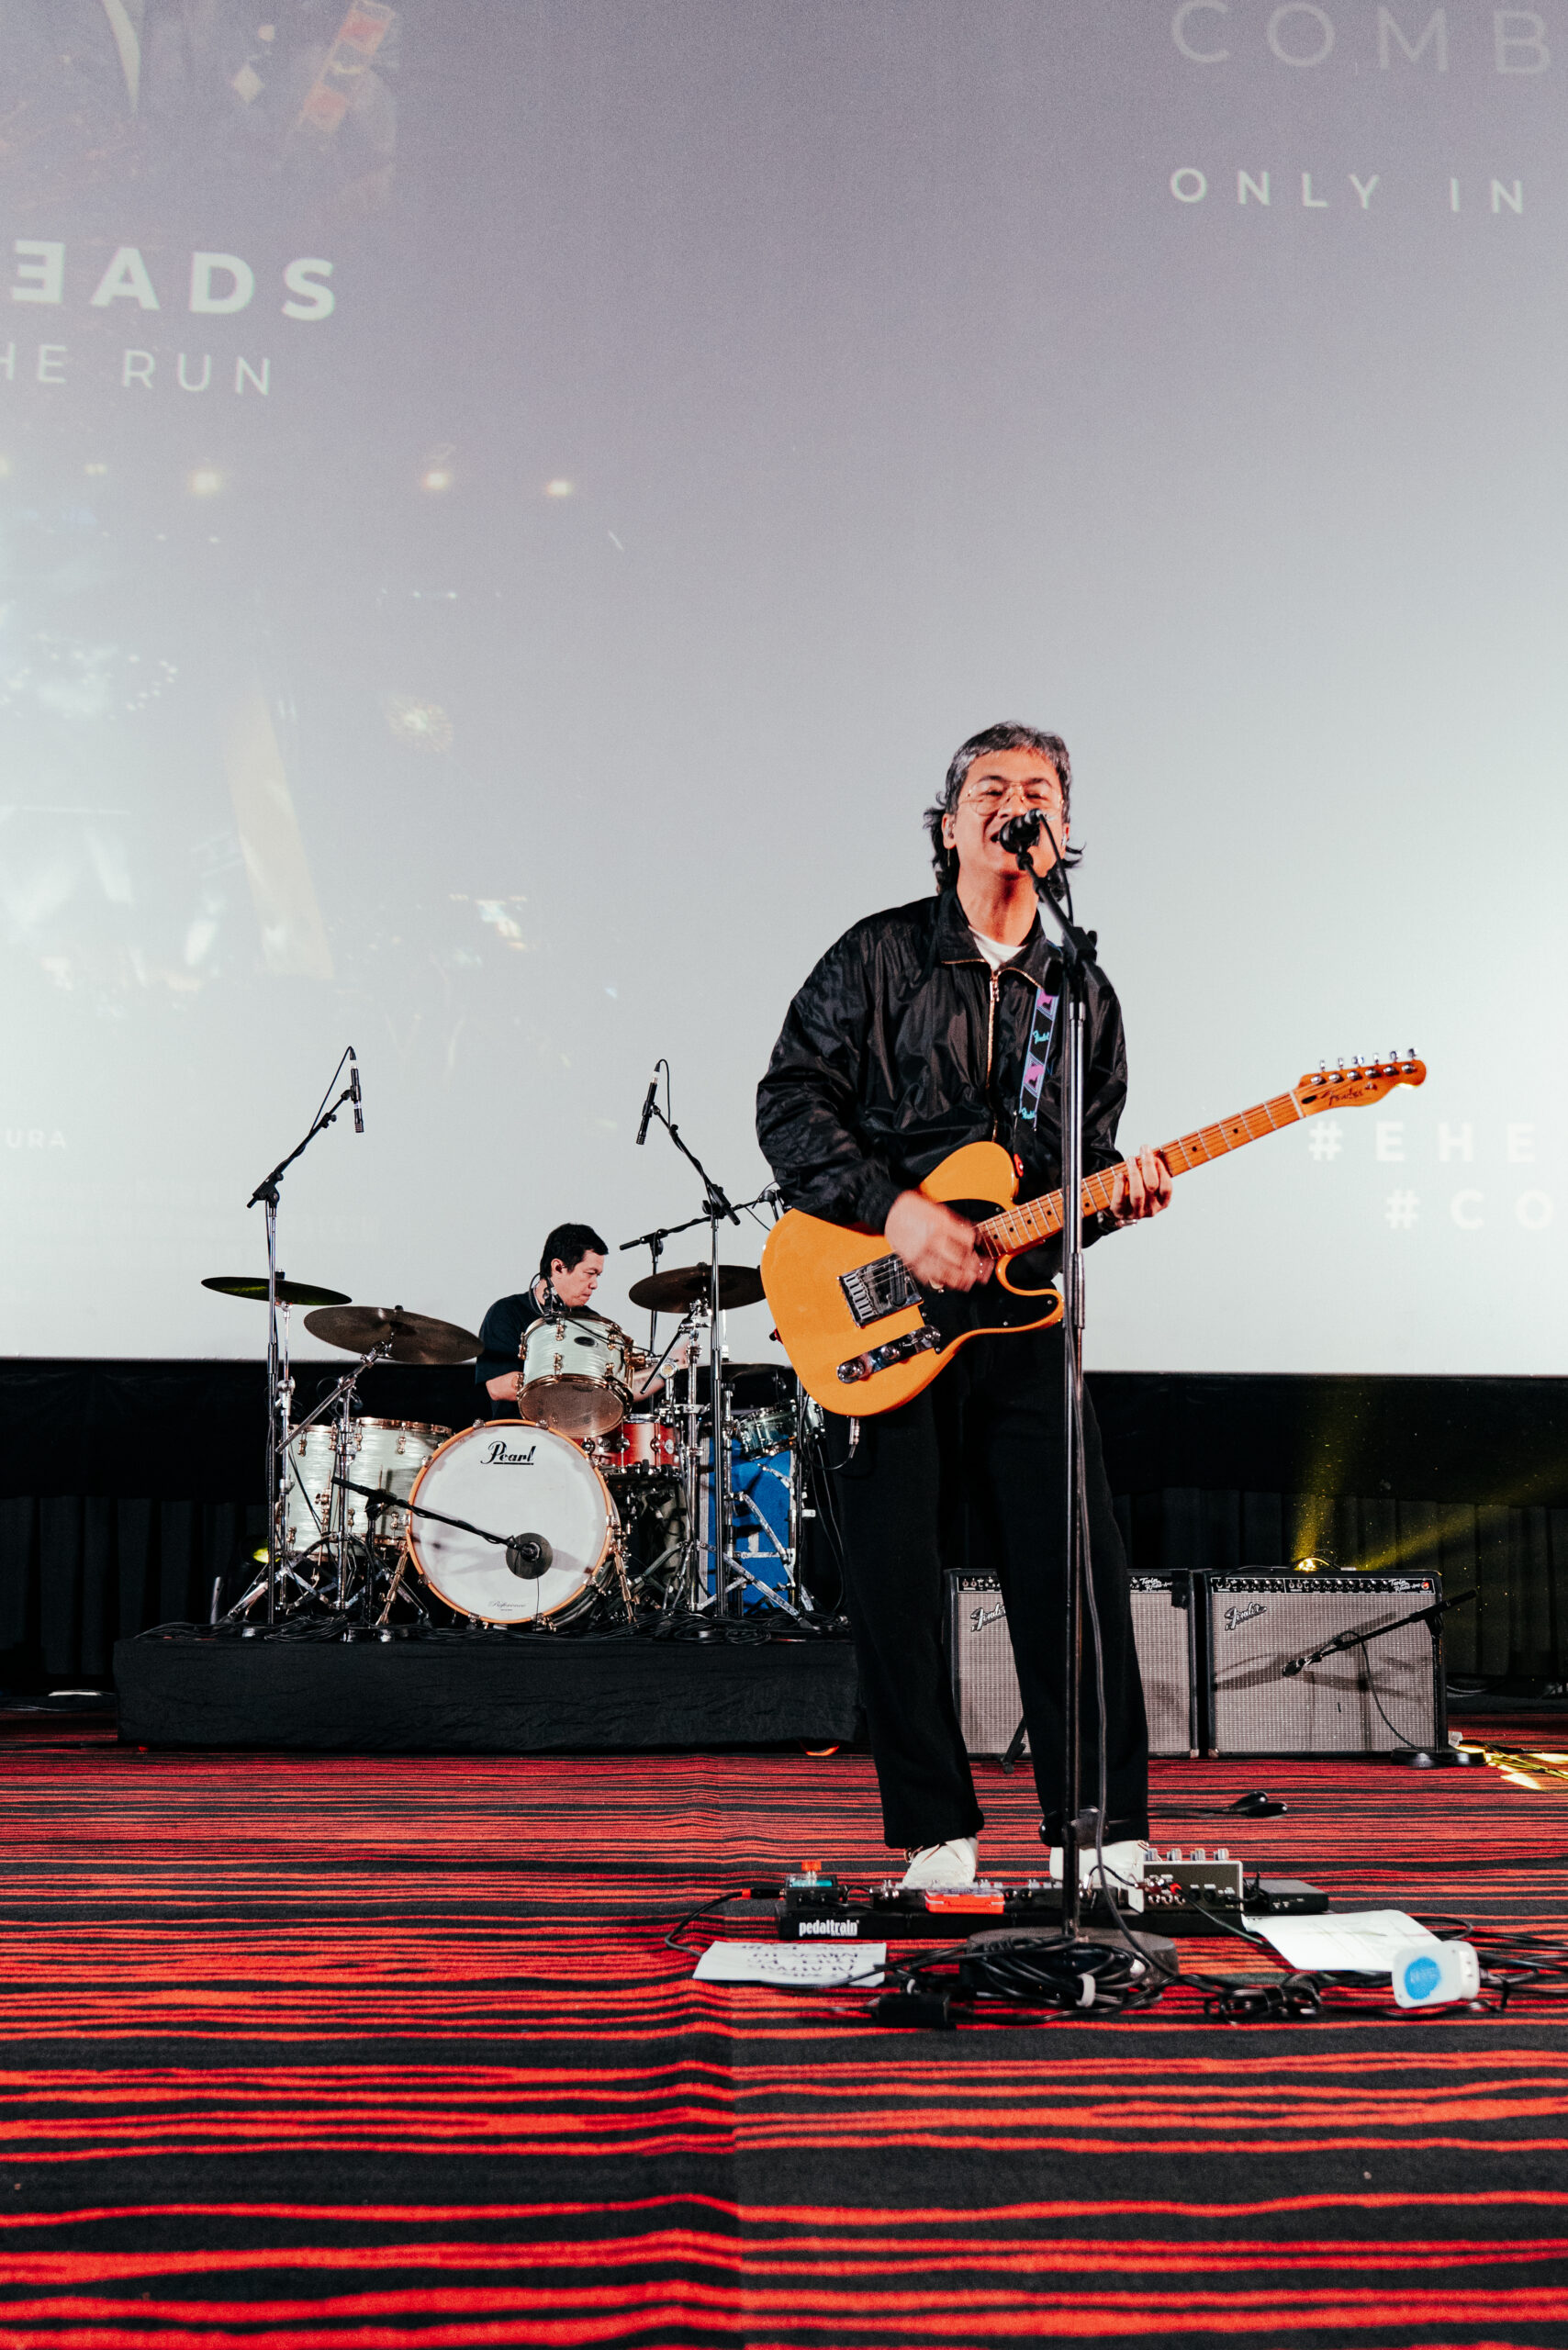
x=985 y=1683
x=1384 y=1698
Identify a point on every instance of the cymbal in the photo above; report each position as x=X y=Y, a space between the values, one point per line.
x=686 y=1285
x=289 y=1293
x=415 y=1337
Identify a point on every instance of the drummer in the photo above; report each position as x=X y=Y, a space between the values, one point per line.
x=571 y=1264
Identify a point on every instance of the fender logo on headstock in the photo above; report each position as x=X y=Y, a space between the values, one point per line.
x=1355 y=1084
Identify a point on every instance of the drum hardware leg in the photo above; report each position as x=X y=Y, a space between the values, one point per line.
x=774 y=1597
x=617 y=1551
x=787 y=1553
x=392 y=1587
x=796 y=1491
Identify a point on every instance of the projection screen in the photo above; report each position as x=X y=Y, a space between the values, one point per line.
x=508 y=508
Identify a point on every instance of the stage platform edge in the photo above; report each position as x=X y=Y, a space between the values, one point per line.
x=540 y=1695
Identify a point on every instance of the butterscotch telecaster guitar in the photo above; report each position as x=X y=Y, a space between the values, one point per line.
x=864 y=1337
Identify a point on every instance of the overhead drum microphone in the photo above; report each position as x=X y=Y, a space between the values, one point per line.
x=354 y=1094
x=647 y=1117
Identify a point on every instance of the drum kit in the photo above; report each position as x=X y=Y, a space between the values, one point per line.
x=591 y=1497
x=580 y=1505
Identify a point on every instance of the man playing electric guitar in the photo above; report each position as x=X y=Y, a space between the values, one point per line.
x=923 y=1029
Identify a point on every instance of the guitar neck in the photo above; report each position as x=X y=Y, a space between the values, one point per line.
x=1036 y=1220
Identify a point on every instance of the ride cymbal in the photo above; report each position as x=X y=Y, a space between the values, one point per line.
x=289 y=1293
x=686 y=1285
x=415 y=1337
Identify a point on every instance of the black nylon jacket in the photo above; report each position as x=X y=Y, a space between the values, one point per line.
x=903 y=1045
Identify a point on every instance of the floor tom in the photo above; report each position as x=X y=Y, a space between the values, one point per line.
x=387 y=1454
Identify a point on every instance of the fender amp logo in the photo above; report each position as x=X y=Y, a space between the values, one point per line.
x=1236 y=1617
x=498 y=1451
x=981 y=1617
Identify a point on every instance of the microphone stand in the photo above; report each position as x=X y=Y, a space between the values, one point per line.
x=280 y=1386
x=1432 y=1615
x=715 y=1209
x=1077 y=949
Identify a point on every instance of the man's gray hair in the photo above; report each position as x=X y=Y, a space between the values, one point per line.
x=1007 y=736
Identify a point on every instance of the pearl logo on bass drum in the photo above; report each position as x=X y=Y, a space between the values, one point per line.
x=499 y=1453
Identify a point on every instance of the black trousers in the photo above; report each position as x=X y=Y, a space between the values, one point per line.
x=969 y=1477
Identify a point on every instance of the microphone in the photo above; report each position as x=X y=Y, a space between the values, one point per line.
x=529 y=1556
x=647 y=1117
x=1019 y=834
x=354 y=1094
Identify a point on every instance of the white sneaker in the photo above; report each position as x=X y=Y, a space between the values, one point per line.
x=943 y=1867
x=1123 y=1864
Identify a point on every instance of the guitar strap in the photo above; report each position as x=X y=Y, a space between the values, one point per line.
x=1037 y=1060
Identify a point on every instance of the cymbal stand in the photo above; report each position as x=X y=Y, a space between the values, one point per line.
x=654 y=1242
x=279 y=1384
x=340 y=1400
x=716 y=1207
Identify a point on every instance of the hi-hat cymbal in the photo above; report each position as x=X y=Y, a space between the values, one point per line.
x=415 y=1337
x=289 y=1293
x=686 y=1285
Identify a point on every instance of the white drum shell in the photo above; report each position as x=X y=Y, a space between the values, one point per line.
x=387 y=1454
x=576 y=1377
x=511 y=1478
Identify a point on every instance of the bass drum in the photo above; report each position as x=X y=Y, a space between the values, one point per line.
x=523 y=1481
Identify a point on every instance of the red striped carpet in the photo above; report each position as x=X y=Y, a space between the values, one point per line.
x=379 y=2053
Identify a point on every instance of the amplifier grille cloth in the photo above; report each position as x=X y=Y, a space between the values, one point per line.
x=985 y=1683
x=1256 y=1624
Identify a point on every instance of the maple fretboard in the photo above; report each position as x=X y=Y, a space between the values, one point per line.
x=1035 y=1220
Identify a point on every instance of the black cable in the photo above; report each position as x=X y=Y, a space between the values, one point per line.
x=673 y=1940
x=1370 y=1685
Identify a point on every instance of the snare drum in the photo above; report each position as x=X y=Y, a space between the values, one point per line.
x=643 y=1446
x=387 y=1454
x=576 y=1377
x=754 y=1433
x=523 y=1483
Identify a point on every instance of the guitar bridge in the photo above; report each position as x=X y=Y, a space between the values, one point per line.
x=913 y=1342
x=873 y=1292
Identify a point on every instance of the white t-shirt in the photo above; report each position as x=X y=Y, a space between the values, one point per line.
x=995 y=952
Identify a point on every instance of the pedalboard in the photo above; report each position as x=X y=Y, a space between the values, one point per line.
x=1182 y=1897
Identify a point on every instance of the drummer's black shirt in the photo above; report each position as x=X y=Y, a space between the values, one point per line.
x=501 y=1334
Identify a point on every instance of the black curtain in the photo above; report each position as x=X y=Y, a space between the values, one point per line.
x=126 y=1489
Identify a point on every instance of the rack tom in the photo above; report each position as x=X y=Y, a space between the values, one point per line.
x=645 y=1445
x=577 y=1374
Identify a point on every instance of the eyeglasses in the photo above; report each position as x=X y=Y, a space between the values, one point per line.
x=1046 y=797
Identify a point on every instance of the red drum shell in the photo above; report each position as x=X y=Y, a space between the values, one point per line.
x=643 y=1446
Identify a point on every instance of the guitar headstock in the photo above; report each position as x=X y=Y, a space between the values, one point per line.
x=1353 y=1083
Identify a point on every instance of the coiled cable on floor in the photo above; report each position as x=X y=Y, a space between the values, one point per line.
x=1085 y=1979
